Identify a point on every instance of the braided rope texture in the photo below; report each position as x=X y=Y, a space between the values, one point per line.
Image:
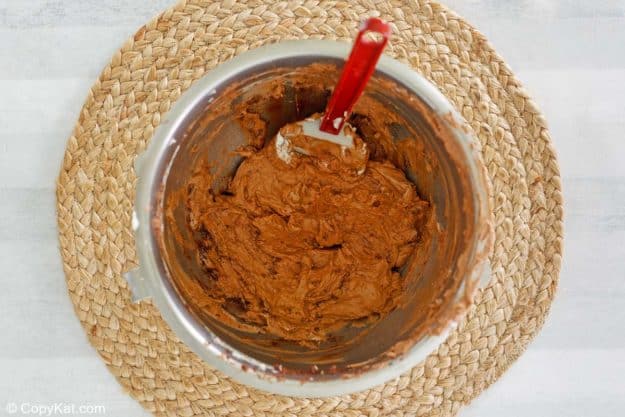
x=95 y=193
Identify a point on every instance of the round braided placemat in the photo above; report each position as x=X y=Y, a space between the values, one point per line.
x=95 y=194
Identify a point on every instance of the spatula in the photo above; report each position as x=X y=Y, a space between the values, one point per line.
x=372 y=37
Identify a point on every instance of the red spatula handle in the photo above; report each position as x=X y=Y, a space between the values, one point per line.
x=356 y=73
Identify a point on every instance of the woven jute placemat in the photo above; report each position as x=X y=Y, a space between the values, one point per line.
x=95 y=194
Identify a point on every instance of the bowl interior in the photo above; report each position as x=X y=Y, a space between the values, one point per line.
x=422 y=146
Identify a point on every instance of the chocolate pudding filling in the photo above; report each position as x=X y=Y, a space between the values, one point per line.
x=326 y=260
x=304 y=248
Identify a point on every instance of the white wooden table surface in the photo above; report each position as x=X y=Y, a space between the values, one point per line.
x=570 y=54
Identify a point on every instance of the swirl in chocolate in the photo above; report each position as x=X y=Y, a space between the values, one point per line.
x=303 y=248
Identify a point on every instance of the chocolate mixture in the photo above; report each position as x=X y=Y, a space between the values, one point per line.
x=305 y=256
x=305 y=248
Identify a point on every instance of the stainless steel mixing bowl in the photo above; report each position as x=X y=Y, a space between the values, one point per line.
x=453 y=179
